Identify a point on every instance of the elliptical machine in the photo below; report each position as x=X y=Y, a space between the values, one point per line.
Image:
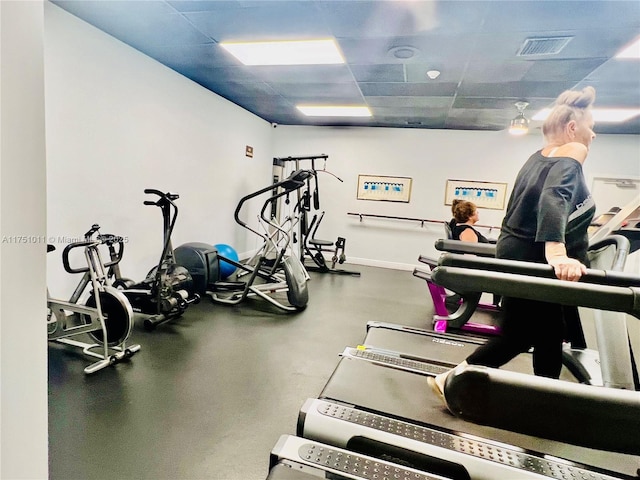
x=167 y=290
x=272 y=270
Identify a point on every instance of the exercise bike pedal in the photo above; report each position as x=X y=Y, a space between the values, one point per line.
x=150 y=323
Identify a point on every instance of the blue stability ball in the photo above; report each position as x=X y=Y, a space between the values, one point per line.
x=226 y=269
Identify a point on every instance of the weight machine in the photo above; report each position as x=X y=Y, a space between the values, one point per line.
x=312 y=247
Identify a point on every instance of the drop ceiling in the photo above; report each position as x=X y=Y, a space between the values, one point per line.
x=389 y=46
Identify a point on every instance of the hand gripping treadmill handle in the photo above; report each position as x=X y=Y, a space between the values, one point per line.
x=598 y=296
x=589 y=416
x=541 y=270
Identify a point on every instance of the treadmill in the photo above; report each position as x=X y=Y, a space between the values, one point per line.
x=295 y=458
x=609 y=366
x=379 y=404
x=623 y=221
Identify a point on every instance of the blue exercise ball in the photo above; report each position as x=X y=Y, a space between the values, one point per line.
x=226 y=269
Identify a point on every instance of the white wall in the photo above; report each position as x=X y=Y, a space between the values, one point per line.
x=119 y=122
x=429 y=157
x=23 y=346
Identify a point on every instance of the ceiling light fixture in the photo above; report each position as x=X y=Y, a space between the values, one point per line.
x=305 y=52
x=632 y=51
x=520 y=124
x=433 y=74
x=403 y=52
x=334 y=111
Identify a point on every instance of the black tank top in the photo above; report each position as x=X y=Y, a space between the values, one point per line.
x=459 y=228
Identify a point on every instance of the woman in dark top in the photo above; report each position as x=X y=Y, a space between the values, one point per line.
x=547 y=217
x=466 y=216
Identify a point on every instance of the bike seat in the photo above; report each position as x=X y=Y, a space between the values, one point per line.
x=320 y=243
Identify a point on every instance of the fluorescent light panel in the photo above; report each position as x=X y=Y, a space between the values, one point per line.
x=334 y=111
x=605 y=115
x=632 y=51
x=303 y=52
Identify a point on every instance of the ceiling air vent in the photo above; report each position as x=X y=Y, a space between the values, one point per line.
x=543 y=46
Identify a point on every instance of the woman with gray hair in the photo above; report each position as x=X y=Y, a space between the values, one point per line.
x=546 y=221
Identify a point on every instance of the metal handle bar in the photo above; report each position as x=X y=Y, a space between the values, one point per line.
x=540 y=270
x=330 y=173
x=623 y=247
x=94 y=228
x=116 y=248
x=582 y=294
x=295 y=181
x=308 y=157
x=168 y=196
x=458 y=246
x=165 y=202
x=71 y=246
x=609 y=277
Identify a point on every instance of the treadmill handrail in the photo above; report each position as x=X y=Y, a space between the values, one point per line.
x=589 y=416
x=591 y=295
x=458 y=246
x=611 y=277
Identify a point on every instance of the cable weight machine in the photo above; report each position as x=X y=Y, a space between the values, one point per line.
x=311 y=247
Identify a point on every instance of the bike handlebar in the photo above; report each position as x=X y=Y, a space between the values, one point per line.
x=94 y=228
x=167 y=197
x=71 y=246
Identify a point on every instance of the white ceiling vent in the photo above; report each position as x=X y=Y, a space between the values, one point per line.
x=543 y=46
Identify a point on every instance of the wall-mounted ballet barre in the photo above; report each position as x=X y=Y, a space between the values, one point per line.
x=422 y=221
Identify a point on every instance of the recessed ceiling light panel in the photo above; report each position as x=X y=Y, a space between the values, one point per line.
x=334 y=111
x=303 y=52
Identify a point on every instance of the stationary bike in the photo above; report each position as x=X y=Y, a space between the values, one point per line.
x=106 y=317
x=167 y=290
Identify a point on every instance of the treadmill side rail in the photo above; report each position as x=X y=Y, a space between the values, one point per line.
x=589 y=416
x=337 y=424
x=307 y=455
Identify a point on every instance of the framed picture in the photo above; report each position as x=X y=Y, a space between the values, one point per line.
x=483 y=194
x=388 y=189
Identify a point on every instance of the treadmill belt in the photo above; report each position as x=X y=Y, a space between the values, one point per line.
x=420 y=366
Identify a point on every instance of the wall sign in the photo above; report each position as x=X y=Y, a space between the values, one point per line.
x=483 y=194
x=390 y=189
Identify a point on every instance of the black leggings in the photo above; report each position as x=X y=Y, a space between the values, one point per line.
x=526 y=324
